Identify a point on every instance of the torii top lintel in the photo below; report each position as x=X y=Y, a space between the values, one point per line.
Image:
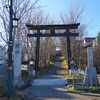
x=48 y=27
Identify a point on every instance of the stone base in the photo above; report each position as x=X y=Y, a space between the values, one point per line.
x=31 y=72
x=71 y=72
x=36 y=72
x=17 y=81
x=88 y=80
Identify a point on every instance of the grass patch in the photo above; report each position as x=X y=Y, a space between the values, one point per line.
x=2 y=87
x=71 y=76
x=64 y=62
x=3 y=74
x=93 y=90
x=64 y=65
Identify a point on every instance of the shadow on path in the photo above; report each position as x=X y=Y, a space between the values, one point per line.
x=85 y=94
x=82 y=96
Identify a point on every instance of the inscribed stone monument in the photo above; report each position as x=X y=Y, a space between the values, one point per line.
x=17 y=60
x=90 y=70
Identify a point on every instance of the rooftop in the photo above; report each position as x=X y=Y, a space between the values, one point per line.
x=89 y=39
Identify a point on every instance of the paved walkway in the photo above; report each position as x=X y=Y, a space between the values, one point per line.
x=55 y=72
x=55 y=92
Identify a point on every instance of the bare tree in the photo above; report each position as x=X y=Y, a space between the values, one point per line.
x=28 y=12
x=75 y=14
x=20 y=9
x=47 y=45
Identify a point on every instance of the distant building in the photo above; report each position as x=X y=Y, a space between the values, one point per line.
x=88 y=42
x=58 y=53
x=96 y=42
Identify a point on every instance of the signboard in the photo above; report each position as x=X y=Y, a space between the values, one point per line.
x=17 y=59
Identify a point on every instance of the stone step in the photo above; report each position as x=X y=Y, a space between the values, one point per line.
x=49 y=82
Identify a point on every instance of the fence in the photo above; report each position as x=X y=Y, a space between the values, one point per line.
x=4 y=80
x=79 y=82
x=2 y=69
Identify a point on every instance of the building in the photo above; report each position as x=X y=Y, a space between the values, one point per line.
x=2 y=55
x=96 y=42
x=88 y=42
x=58 y=53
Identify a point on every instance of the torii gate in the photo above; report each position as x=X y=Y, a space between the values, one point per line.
x=52 y=28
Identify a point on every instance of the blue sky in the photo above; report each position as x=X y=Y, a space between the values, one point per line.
x=92 y=11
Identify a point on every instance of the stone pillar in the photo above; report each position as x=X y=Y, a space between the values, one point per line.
x=90 y=56
x=17 y=61
x=90 y=70
x=31 y=72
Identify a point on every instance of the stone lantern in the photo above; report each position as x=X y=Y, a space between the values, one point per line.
x=31 y=67
x=72 y=64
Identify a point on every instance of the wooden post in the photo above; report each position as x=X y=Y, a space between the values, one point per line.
x=91 y=80
x=73 y=81
x=96 y=80
x=87 y=81
x=82 y=81
x=37 y=51
x=78 y=80
x=68 y=46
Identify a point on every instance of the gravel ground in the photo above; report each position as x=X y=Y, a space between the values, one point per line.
x=56 y=93
x=45 y=93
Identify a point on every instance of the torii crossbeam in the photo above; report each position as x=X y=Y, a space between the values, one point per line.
x=49 y=27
